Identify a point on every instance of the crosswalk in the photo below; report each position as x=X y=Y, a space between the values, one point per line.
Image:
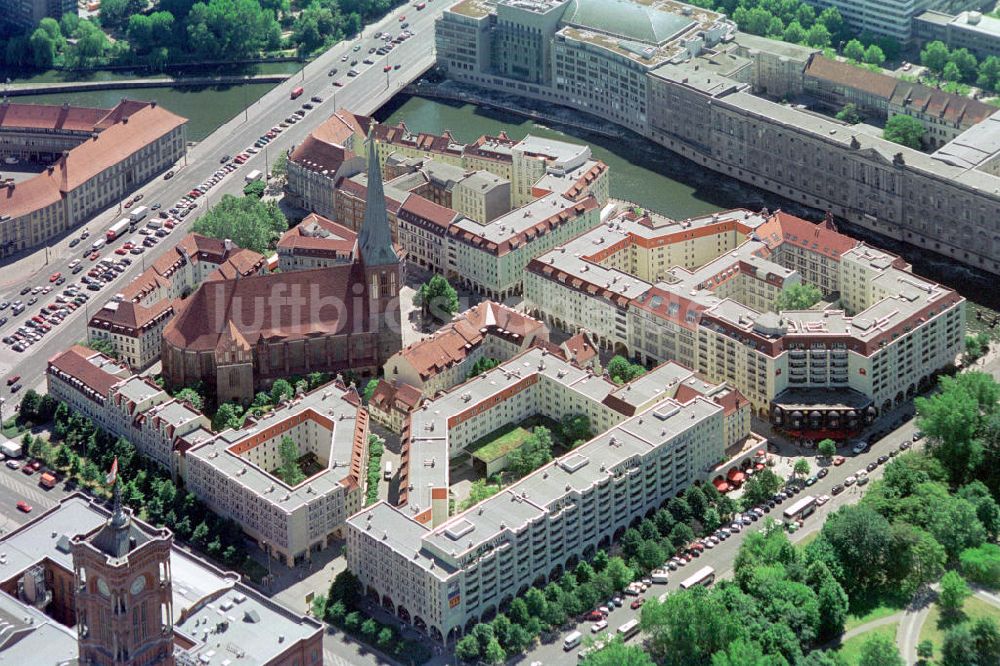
x=26 y=489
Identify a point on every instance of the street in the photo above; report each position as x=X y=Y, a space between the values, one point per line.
x=364 y=94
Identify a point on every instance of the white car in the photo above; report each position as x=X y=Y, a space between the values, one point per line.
x=822 y=499
x=598 y=626
x=849 y=481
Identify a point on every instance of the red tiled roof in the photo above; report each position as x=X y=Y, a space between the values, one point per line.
x=129 y=316
x=49 y=116
x=75 y=363
x=339 y=239
x=581 y=349
x=846 y=74
x=426 y=209
x=396 y=395
x=820 y=238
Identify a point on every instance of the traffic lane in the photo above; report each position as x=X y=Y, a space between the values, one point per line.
x=722 y=556
x=16 y=487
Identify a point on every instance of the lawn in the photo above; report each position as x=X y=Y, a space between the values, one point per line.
x=935 y=626
x=500 y=442
x=864 y=610
x=850 y=650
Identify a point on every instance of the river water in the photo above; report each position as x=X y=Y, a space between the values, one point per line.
x=655 y=178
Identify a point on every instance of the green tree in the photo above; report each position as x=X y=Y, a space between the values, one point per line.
x=289 y=470
x=800 y=296
x=281 y=390
x=849 y=114
x=43 y=49
x=249 y=222
x=818 y=36
x=255 y=188
x=982 y=565
x=575 y=429
x=794 y=33
x=494 y=654
x=622 y=371
x=874 y=55
x=989 y=73
x=616 y=653
x=966 y=63
x=345 y=588
x=760 y=487
x=619 y=573
x=925 y=649
x=951 y=72
x=801 y=467
x=954 y=592
x=370 y=389
x=467 y=648
x=689 y=627
x=226 y=416
x=827 y=448
x=481 y=365
x=279 y=167
x=437 y=298
x=231 y=28
x=91 y=43
x=854 y=50
x=972 y=644
x=862 y=542
x=192 y=396
x=880 y=650
x=904 y=130
x=480 y=490
x=935 y=56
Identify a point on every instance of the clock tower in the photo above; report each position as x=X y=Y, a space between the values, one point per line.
x=124 y=603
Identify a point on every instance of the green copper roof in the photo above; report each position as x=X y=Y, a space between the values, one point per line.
x=626 y=19
x=375 y=239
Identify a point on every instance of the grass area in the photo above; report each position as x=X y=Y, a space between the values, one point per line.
x=500 y=442
x=864 y=611
x=850 y=650
x=935 y=626
x=11 y=429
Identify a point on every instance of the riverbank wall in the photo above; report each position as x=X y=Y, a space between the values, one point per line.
x=23 y=89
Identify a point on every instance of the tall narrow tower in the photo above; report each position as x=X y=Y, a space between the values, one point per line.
x=124 y=604
x=383 y=269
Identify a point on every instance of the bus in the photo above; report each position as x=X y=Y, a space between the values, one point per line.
x=704 y=577
x=297 y=92
x=629 y=629
x=801 y=509
x=117 y=230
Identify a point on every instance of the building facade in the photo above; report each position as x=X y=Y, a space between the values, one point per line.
x=890 y=18
x=316 y=242
x=972 y=30
x=96 y=158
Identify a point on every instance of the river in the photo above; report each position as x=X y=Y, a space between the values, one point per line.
x=657 y=179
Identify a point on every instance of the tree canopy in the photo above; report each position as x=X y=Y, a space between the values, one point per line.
x=904 y=130
x=247 y=221
x=800 y=296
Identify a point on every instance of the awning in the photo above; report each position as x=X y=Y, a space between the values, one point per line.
x=721 y=486
x=759 y=466
x=736 y=476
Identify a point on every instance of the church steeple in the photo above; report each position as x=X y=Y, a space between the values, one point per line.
x=375 y=239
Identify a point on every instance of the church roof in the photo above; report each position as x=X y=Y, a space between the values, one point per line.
x=375 y=239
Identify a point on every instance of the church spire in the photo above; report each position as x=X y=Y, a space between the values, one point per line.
x=375 y=239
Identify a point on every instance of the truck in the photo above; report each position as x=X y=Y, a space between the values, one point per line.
x=138 y=213
x=11 y=449
x=118 y=229
x=253 y=175
x=48 y=480
x=297 y=92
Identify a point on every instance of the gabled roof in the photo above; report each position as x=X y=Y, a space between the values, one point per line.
x=819 y=238
x=846 y=74
x=77 y=363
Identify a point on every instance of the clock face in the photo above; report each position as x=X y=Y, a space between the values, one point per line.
x=102 y=587
x=138 y=585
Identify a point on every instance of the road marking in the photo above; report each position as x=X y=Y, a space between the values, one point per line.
x=33 y=496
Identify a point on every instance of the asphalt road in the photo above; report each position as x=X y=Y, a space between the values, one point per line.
x=16 y=486
x=721 y=557
x=362 y=94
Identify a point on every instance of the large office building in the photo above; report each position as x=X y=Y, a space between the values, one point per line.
x=85 y=585
x=93 y=157
x=890 y=18
x=233 y=471
x=702 y=292
x=702 y=102
x=25 y=14
x=972 y=30
x=443 y=573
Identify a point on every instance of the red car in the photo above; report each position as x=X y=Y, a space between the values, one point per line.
x=128 y=204
x=594 y=616
x=402 y=18
x=121 y=250
x=54 y=277
x=24 y=506
x=27 y=470
x=35 y=465
x=839 y=460
x=95 y=256
x=637 y=604
x=387 y=68
x=13 y=379
x=339 y=84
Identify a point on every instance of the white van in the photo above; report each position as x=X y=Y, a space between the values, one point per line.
x=253 y=175
x=659 y=577
x=97 y=244
x=572 y=641
x=387 y=471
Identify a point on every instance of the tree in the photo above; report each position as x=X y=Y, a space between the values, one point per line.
x=761 y=487
x=681 y=535
x=827 y=448
x=467 y=648
x=231 y=28
x=904 y=130
x=951 y=72
x=192 y=396
x=801 y=467
x=965 y=62
x=833 y=608
x=925 y=649
x=437 y=298
x=289 y=470
x=247 y=221
x=279 y=167
x=345 y=588
x=794 y=33
x=255 y=188
x=971 y=644
x=481 y=365
x=874 y=55
x=935 y=56
x=954 y=591
x=619 y=573
x=800 y=296
x=575 y=429
x=227 y=416
x=880 y=650
x=982 y=565
x=622 y=371
x=989 y=72
x=854 y=50
x=849 y=114
x=281 y=390
x=616 y=653
x=688 y=627
x=370 y=389
x=494 y=654
x=818 y=36
x=43 y=49
x=862 y=542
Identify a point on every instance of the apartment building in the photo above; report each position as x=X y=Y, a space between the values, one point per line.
x=316 y=242
x=443 y=360
x=96 y=158
x=25 y=14
x=233 y=471
x=444 y=573
x=717 y=315
x=132 y=322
